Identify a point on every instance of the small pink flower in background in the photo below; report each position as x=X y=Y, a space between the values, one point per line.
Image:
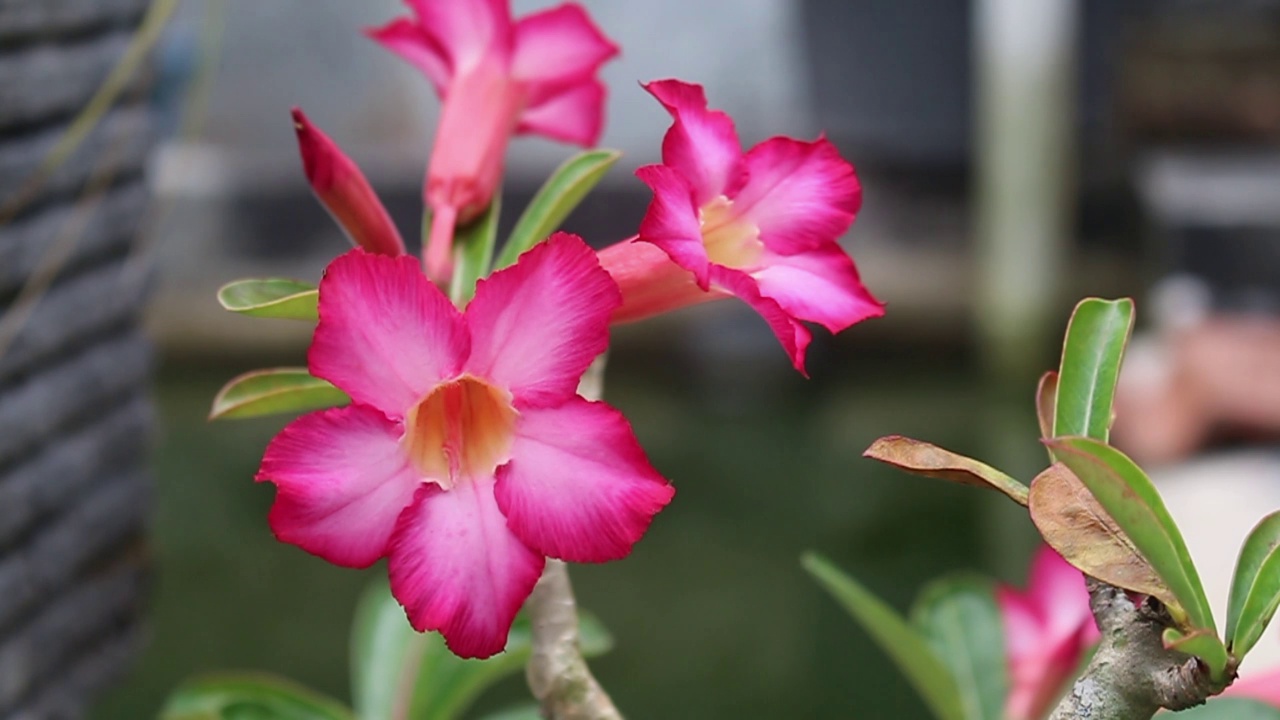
x=466 y=455
x=344 y=191
x=762 y=225
x=1263 y=687
x=1047 y=631
x=496 y=77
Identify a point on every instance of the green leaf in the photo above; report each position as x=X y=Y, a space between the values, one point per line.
x=272 y=391
x=559 y=195
x=1255 y=588
x=249 y=697
x=960 y=619
x=1128 y=496
x=922 y=458
x=908 y=650
x=385 y=651
x=473 y=252
x=1230 y=709
x=1091 y=355
x=272 y=298
x=1204 y=644
x=521 y=712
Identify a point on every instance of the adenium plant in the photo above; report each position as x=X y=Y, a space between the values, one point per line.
x=452 y=422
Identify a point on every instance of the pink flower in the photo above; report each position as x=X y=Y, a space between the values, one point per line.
x=1263 y=687
x=344 y=191
x=466 y=456
x=762 y=225
x=1047 y=630
x=496 y=77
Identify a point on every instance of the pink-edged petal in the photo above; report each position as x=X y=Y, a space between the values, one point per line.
x=1059 y=591
x=406 y=38
x=386 y=335
x=820 y=285
x=458 y=569
x=672 y=221
x=467 y=30
x=702 y=145
x=578 y=486
x=793 y=335
x=572 y=115
x=800 y=194
x=650 y=281
x=538 y=324
x=559 y=46
x=342 y=480
x=1023 y=628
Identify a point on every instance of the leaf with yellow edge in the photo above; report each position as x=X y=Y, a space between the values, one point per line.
x=922 y=458
x=273 y=391
x=271 y=297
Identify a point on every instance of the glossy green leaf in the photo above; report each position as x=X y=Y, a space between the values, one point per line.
x=1255 y=588
x=272 y=391
x=271 y=298
x=473 y=253
x=249 y=697
x=907 y=648
x=1204 y=644
x=385 y=651
x=1127 y=495
x=559 y=195
x=1091 y=356
x=960 y=619
x=921 y=458
x=1230 y=709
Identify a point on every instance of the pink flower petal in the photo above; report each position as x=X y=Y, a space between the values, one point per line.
x=537 y=325
x=650 y=281
x=457 y=568
x=406 y=38
x=572 y=115
x=342 y=480
x=672 y=221
x=386 y=335
x=793 y=335
x=1059 y=591
x=702 y=145
x=558 y=47
x=578 y=486
x=800 y=194
x=467 y=30
x=1263 y=686
x=820 y=285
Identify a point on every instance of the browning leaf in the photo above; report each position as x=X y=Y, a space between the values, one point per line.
x=1074 y=524
x=922 y=458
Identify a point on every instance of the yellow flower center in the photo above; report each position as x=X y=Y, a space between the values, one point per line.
x=730 y=240
x=462 y=428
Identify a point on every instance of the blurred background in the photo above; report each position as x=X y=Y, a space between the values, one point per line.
x=1015 y=157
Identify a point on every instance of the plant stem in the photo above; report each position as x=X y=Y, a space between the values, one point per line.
x=1132 y=676
x=557 y=673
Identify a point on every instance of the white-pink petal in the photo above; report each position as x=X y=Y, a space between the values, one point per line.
x=559 y=46
x=467 y=30
x=404 y=37
x=537 y=325
x=456 y=567
x=819 y=285
x=793 y=335
x=672 y=221
x=342 y=479
x=574 y=114
x=801 y=195
x=578 y=486
x=386 y=335
x=702 y=145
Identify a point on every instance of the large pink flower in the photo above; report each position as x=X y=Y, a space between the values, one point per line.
x=496 y=77
x=1047 y=631
x=762 y=225
x=466 y=455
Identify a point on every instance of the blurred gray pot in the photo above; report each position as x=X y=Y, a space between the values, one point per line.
x=74 y=368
